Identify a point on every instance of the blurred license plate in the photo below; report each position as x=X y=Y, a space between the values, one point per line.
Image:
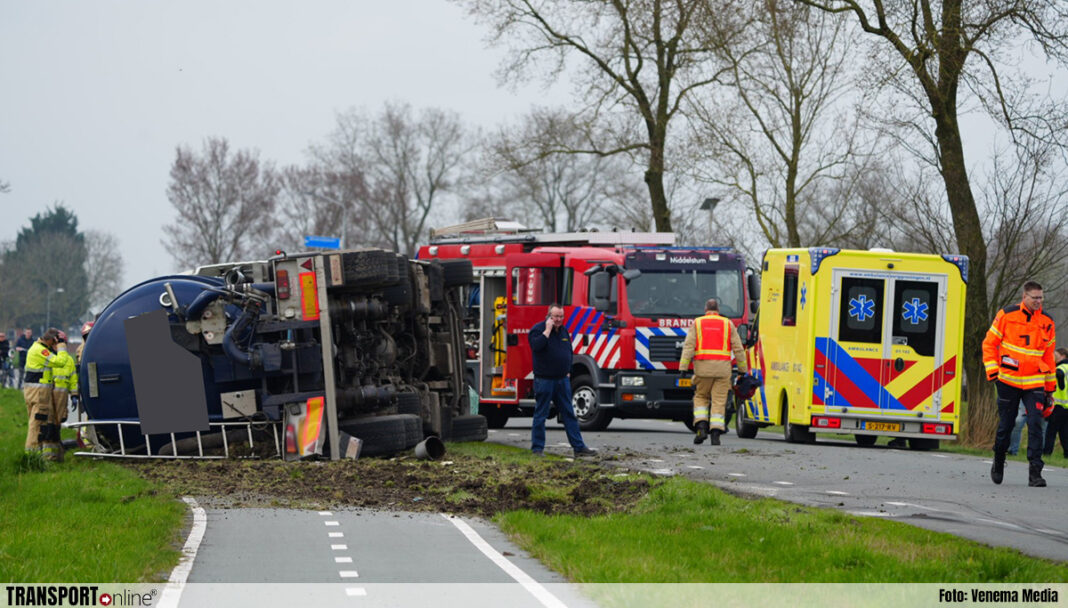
x=684 y=382
x=882 y=426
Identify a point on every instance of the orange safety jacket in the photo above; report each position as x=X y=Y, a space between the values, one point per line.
x=1018 y=349
x=713 y=338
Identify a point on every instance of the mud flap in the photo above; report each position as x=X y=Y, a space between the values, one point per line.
x=305 y=429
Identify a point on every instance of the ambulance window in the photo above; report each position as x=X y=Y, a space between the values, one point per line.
x=915 y=315
x=789 y=296
x=860 y=318
x=536 y=286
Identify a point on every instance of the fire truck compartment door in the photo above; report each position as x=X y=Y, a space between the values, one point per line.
x=534 y=280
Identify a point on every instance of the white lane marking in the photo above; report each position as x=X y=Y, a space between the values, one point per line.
x=342 y=560
x=736 y=474
x=1003 y=524
x=654 y=460
x=693 y=466
x=514 y=435
x=325 y=513
x=988 y=462
x=331 y=523
x=939 y=455
x=172 y=593
x=355 y=591
x=532 y=586
x=349 y=574
x=339 y=547
x=783 y=483
x=837 y=493
x=336 y=535
x=916 y=506
x=869 y=513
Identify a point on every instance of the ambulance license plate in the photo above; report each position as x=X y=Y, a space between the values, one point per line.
x=882 y=426
x=684 y=382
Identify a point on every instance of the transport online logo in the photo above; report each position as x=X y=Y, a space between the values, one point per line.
x=75 y=595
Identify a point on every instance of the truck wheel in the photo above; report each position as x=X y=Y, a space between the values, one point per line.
x=365 y=268
x=469 y=428
x=496 y=417
x=923 y=444
x=745 y=430
x=457 y=272
x=794 y=433
x=587 y=407
x=413 y=431
x=409 y=403
x=866 y=441
x=381 y=435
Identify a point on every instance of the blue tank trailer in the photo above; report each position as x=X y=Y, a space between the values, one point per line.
x=309 y=355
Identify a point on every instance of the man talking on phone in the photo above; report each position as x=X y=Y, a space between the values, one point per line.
x=550 y=345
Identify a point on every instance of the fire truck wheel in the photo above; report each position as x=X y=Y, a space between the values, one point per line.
x=745 y=430
x=381 y=435
x=409 y=403
x=496 y=418
x=587 y=406
x=469 y=428
x=923 y=444
x=866 y=440
x=794 y=433
x=457 y=272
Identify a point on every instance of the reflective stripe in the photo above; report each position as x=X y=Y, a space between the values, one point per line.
x=1060 y=396
x=712 y=329
x=994 y=330
x=1022 y=350
x=31 y=384
x=990 y=364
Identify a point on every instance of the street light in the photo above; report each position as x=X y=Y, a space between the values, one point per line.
x=48 y=307
x=709 y=205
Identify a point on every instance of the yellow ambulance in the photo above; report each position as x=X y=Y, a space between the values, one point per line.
x=862 y=343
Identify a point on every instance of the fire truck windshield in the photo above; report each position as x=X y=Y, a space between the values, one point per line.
x=682 y=293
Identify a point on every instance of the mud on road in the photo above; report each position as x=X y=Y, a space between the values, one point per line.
x=462 y=484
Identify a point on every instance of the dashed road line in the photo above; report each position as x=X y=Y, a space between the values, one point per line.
x=837 y=493
x=783 y=483
x=325 y=513
x=532 y=586
x=736 y=474
x=870 y=513
x=339 y=547
x=693 y=466
x=332 y=523
x=336 y=535
x=355 y=591
x=349 y=574
x=342 y=560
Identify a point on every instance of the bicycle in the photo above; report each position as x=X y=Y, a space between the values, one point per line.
x=7 y=374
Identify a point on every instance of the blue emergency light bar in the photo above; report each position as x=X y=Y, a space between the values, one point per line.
x=322 y=242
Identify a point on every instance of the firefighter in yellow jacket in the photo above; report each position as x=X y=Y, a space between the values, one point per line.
x=1018 y=357
x=61 y=378
x=709 y=344
x=41 y=360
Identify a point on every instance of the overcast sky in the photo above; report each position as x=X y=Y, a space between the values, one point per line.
x=97 y=94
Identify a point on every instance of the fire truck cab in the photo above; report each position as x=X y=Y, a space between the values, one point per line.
x=628 y=300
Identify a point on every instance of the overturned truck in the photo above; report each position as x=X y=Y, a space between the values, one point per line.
x=311 y=355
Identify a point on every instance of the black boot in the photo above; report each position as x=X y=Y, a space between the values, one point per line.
x=1034 y=476
x=714 y=436
x=997 y=471
x=702 y=432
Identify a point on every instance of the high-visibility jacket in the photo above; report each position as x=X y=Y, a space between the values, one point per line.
x=710 y=343
x=40 y=361
x=64 y=370
x=1018 y=349
x=1060 y=396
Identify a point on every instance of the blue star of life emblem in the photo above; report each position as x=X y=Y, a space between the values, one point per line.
x=914 y=311
x=861 y=308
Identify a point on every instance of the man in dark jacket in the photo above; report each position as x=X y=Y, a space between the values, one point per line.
x=550 y=345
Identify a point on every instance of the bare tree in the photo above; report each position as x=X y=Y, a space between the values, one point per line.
x=942 y=46
x=787 y=141
x=321 y=200
x=103 y=268
x=408 y=163
x=637 y=62
x=225 y=203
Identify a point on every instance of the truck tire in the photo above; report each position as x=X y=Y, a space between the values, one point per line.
x=413 y=431
x=496 y=417
x=866 y=441
x=381 y=435
x=366 y=268
x=469 y=428
x=435 y=280
x=794 y=433
x=409 y=403
x=745 y=430
x=585 y=401
x=457 y=272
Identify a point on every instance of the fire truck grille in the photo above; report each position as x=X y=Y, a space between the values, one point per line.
x=665 y=348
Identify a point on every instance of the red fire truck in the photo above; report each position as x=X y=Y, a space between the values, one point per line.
x=628 y=300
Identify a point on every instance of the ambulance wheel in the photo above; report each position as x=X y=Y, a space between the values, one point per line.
x=865 y=441
x=923 y=444
x=745 y=430
x=794 y=433
x=496 y=417
x=591 y=416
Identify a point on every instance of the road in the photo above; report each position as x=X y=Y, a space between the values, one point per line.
x=939 y=491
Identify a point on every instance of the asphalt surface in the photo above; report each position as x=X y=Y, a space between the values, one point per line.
x=939 y=491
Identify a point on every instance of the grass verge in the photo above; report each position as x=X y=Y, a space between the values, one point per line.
x=79 y=521
x=689 y=532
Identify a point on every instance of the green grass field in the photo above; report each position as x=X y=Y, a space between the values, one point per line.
x=80 y=520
